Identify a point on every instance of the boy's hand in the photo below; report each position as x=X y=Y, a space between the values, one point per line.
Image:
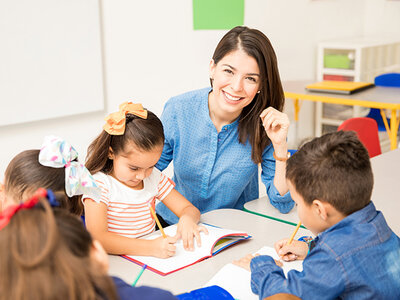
x=244 y=262
x=188 y=230
x=296 y=250
x=164 y=247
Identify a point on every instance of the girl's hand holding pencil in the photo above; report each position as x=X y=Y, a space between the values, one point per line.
x=164 y=247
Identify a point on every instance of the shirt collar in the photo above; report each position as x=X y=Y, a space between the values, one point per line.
x=364 y=215
x=230 y=126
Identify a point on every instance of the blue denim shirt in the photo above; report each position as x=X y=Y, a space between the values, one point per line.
x=357 y=258
x=212 y=169
x=127 y=292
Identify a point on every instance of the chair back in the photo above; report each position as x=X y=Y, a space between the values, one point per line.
x=388 y=80
x=367 y=132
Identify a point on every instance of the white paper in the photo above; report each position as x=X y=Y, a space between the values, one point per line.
x=183 y=258
x=236 y=280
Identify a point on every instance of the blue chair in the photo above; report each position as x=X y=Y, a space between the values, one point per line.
x=388 y=80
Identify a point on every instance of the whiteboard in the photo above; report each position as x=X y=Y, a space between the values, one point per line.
x=50 y=59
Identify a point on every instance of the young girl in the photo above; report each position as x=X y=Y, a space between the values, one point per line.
x=49 y=254
x=36 y=263
x=122 y=160
x=53 y=167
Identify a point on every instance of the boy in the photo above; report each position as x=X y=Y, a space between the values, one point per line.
x=355 y=254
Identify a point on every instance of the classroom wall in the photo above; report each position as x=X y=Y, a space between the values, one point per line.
x=151 y=53
x=382 y=17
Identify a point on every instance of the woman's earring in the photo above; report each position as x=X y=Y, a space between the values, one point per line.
x=258 y=92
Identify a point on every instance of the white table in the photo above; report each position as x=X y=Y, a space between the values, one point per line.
x=385 y=194
x=376 y=97
x=264 y=208
x=264 y=232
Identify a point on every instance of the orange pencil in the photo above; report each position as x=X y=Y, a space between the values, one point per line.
x=157 y=221
x=294 y=233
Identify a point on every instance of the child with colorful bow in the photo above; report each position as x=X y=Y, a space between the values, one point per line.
x=122 y=160
x=55 y=166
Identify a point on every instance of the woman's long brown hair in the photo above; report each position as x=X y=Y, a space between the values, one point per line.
x=37 y=261
x=258 y=46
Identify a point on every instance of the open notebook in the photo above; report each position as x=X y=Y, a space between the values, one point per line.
x=338 y=87
x=236 y=280
x=216 y=240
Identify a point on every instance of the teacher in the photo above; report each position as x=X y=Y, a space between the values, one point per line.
x=217 y=136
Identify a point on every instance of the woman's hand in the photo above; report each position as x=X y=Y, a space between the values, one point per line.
x=164 y=247
x=276 y=125
x=296 y=250
x=189 y=230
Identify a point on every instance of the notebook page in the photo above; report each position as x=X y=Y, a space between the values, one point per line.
x=182 y=257
x=236 y=280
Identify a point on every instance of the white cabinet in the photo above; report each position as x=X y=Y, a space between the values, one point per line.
x=352 y=59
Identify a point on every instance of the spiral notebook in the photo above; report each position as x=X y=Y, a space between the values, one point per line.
x=211 y=244
x=339 y=87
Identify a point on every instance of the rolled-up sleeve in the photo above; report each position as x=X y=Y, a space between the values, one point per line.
x=283 y=203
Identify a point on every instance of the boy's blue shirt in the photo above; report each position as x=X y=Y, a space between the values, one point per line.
x=357 y=258
x=212 y=170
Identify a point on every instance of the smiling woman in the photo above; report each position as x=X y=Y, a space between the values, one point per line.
x=217 y=136
x=235 y=81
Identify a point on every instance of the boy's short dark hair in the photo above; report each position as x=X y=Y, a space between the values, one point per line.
x=334 y=168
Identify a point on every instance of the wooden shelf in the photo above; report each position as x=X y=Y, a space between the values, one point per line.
x=368 y=57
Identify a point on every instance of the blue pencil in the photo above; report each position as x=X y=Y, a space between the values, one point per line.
x=140 y=274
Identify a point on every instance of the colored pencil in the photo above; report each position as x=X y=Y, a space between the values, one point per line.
x=140 y=274
x=157 y=221
x=294 y=233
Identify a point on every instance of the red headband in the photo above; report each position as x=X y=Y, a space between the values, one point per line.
x=10 y=211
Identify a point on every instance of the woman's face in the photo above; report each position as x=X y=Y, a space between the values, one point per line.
x=236 y=80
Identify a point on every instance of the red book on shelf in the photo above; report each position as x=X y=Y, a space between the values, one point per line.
x=337 y=77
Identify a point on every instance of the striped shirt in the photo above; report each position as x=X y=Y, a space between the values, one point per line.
x=128 y=212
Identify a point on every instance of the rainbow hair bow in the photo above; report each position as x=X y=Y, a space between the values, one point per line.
x=58 y=153
x=115 y=122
